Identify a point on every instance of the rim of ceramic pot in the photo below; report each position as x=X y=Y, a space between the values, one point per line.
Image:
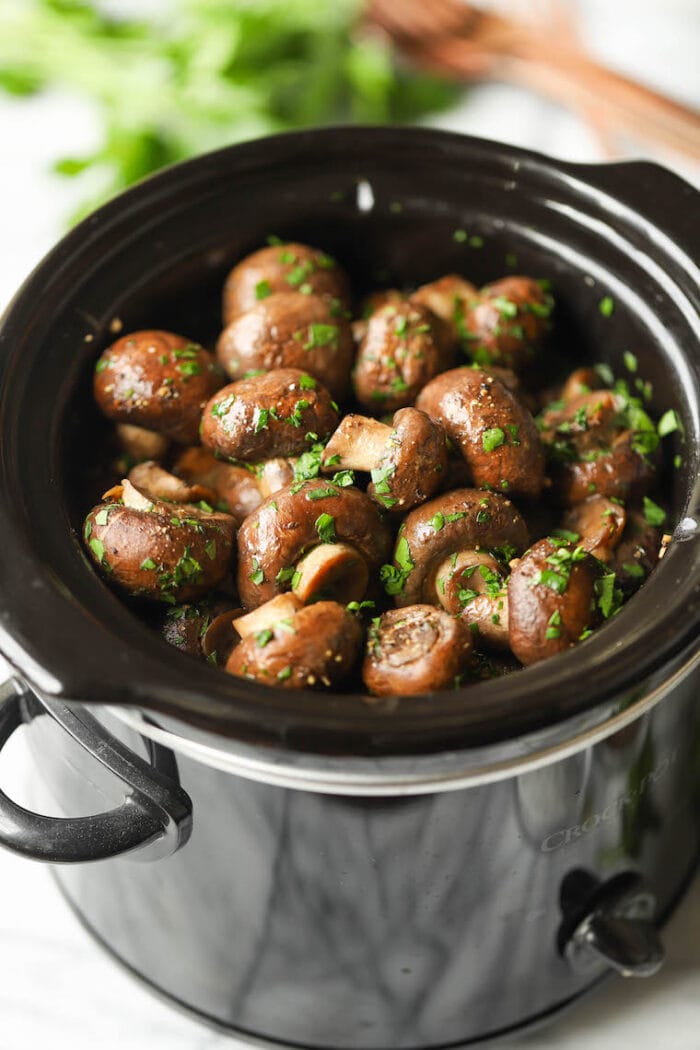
x=69 y=638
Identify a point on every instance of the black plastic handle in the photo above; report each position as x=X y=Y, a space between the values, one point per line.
x=156 y=813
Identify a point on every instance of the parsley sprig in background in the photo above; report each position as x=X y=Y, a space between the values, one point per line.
x=199 y=74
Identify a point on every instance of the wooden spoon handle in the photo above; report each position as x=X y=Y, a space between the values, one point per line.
x=632 y=106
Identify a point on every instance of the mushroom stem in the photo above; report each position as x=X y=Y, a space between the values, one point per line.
x=359 y=443
x=275 y=474
x=460 y=573
x=332 y=571
x=278 y=608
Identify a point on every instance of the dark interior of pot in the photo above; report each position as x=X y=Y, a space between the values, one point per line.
x=387 y=204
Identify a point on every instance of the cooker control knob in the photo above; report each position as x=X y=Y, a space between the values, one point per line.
x=616 y=930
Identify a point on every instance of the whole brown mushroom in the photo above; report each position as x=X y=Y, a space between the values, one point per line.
x=495 y=433
x=158 y=381
x=597 y=525
x=551 y=599
x=170 y=552
x=450 y=297
x=462 y=524
x=404 y=347
x=288 y=267
x=507 y=322
x=407 y=460
x=315 y=646
x=315 y=536
x=417 y=649
x=237 y=489
x=594 y=449
x=278 y=414
x=288 y=330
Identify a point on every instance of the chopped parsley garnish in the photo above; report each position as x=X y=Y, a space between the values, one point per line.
x=263 y=637
x=98 y=549
x=285 y=575
x=210 y=549
x=459 y=236
x=607 y=306
x=262 y=415
x=438 y=521
x=343 y=478
x=400 y=326
x=263 y=289
x=147 y=563
x=668 y=423
x=285 y=673
x=315 y=494
x=654 y=514
x=325 y=528
x=492 y=439
x=220 y=408
x=257 y=576
x=633 y=568
x=393 y=577
x=307 y=382
x=322 y=335
x=506 y=307
x=630 y=361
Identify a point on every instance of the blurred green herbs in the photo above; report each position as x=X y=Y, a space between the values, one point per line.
x=199 y=74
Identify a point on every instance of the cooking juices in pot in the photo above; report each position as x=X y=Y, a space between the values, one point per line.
x=402 y=493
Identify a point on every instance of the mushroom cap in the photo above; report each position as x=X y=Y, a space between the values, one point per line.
x=235 y=487
x=495 y=433
x=543 y=621
x=450 y=297
x=416 y=649
x=592 y=451
x=288 y=330
x=173 y=552
x=186 y=627
x=508 y=321
x=268 y=415
x=282 y=268
x=464 y=519
x=286 y=526
x=404 y=347
x=415 y=462
x=599 y=524
x=639 y=546
x=316 y=647
x=473 y=587
x=157 y=380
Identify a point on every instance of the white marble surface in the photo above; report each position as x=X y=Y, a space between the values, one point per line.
x=56 y=986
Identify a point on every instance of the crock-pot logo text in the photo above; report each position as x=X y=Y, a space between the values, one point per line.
x=565 y=836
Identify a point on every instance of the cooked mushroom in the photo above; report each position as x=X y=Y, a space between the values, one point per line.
x=495 y=433
x=597 y=525
x=169 y=552
x=550 y=599
x=472 y=585
x=370 y=304
x=417 y=649
x=464 y=522
x=450 y=297
x=507 y=322
x=580 y=381
x=140 y=444
x=204 y=629
x=637 y=553
x=282 y=268
x=289 y=525
x=157 y=483
x=274 y=474
x=277 y=414
x=407 y=460
x=317 y=646
x=404 y=347
x=288 y=330
x=158 y=381
x=237 y=488
x=597 y=444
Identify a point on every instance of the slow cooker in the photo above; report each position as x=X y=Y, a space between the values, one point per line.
x=318 y=871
